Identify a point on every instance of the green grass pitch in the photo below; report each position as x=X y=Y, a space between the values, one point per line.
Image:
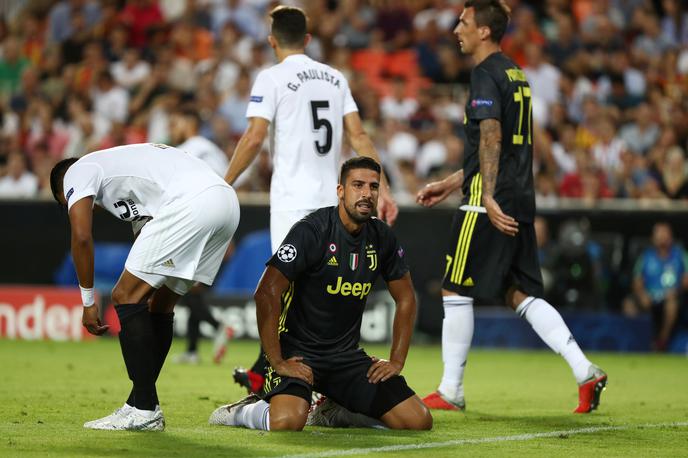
x=48 y=389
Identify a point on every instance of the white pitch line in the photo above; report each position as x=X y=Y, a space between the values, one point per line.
x=484 y=440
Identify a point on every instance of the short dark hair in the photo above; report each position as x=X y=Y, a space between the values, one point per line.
x=289 y=26
x=57 y=176
x=493 y=14
x=359 y=162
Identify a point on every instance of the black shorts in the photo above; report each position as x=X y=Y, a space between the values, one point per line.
x=341 y=377
x=484 y=263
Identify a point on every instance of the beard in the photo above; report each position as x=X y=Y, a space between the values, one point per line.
x=357 y=216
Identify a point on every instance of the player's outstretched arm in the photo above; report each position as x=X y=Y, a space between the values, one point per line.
x=248 y=148
x=435 y=192
x=359 y=140
x=268 y=296
x=402 y=330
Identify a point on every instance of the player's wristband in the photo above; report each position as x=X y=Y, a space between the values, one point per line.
x=87 y=296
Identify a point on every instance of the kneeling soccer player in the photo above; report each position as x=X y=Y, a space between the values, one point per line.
x=319 y=280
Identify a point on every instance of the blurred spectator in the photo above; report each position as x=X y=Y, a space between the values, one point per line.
x=241 y=14
x=19 y=182
x=543 y=79
x=61 y=16
x=642 y=132
x=184 y=128
x=675 y=22
x=398 y=105
x=566 y=43
x=109 y=100
x=141 y=17
x=588 y=182
x=233 y=108
x=674 y=174
x=660 y=277
x=131 y=70
x=606 y=152
x=12 y=64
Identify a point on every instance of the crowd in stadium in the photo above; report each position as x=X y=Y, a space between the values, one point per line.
x=609 y=84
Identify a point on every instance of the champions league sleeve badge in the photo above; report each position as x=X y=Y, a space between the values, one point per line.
x=286 y=253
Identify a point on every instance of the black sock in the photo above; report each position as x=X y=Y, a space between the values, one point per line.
x=163 y=331
x=260 y=366
x=137 y=343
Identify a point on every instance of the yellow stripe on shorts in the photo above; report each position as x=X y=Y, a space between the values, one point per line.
x=467 y=228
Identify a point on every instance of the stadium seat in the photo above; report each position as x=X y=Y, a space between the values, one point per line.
x=241 y=273
x=109 y=264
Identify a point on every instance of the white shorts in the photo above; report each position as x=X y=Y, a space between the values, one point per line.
x=186 y=242
x=281 y=222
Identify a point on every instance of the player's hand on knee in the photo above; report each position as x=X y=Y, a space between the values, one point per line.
x=295 y=367
x=382 y=370
x=91 y=321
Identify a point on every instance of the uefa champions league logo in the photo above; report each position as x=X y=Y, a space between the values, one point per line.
x=286 y=253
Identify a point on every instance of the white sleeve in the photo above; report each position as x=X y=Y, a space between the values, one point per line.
x=81 y=180
x=349 y=103
x=263 y=101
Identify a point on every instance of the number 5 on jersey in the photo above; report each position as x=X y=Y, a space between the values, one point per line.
x=526 y=111
x=318 y=123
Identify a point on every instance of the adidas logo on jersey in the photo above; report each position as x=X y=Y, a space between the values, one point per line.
x=169 y=263
x=333 y=262
x=468 y=282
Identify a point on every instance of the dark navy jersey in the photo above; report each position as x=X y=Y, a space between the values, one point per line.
x=331 y=273
x=499 y=90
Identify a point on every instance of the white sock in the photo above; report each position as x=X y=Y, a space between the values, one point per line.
x=457 y=334
x=549 y=325
x=255 y=416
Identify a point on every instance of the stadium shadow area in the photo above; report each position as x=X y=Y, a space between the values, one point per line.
x=149 y=444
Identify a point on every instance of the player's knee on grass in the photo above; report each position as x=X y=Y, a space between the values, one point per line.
x=410 y=414
x=288 y=413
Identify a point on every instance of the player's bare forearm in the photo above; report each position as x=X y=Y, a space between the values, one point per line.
x=80 y=219
x=268 y=308
x=435 y=192
x=247 y=148
x=361 y=142
x=489 y=151
x=246 y=151
x=404 y=317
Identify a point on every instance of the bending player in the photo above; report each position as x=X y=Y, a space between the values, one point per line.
x=184 y=217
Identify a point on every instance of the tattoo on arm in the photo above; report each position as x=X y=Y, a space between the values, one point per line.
x=489 y=151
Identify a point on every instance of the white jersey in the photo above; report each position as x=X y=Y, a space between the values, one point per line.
x=208 y=152
x=305 y=102
x=133 y=182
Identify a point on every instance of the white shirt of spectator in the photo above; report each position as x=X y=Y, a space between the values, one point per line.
x=24 y=186
x=135 y=181
x=304 y=100
x=401 y=110
x=208 y=152
x=112 y=105
x=130 y=77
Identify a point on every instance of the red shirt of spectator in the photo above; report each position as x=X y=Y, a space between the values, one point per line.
x=139 y=16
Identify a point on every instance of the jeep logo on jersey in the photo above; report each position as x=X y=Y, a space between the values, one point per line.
x=345 y=288
x=286 y=253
